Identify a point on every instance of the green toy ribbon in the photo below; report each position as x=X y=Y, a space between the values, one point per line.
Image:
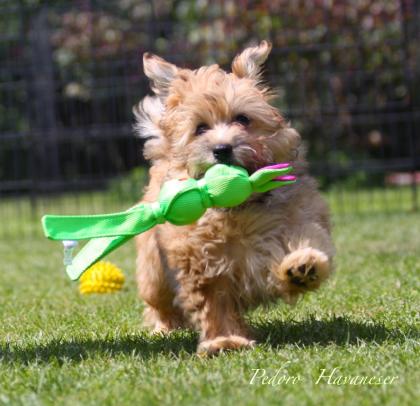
x=180 y=202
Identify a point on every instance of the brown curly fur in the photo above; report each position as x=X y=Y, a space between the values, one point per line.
x=206 y=275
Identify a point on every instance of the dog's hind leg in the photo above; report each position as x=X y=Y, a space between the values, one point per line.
x=308 y=261
x=160 y=314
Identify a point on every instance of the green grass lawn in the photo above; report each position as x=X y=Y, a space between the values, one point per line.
x=60 y=348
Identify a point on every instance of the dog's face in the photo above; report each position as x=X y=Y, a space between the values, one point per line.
x=207 y=116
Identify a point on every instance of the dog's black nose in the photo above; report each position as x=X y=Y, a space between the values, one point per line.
x=222 y=152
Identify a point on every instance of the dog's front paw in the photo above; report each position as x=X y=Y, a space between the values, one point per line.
x=223 y=343
x=303 y=269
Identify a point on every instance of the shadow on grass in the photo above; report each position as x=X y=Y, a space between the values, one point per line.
x=337 y=331
x=143 y=345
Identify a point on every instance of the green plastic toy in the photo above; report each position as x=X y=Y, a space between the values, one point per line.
x=180 y=202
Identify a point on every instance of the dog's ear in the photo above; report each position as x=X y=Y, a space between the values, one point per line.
x=249 y=62
x=148 y=114
x=160 y=73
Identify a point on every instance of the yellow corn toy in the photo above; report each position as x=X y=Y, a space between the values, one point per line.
x=103 y=277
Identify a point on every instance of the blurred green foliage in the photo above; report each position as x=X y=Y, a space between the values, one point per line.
x=340 y=67
x=129 y=188
x=348 y=54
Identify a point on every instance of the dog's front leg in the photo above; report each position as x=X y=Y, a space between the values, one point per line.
x=307 y=263
x=217 y=314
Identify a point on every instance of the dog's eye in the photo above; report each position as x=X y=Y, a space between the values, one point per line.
x=242 y=119
x=201 y=129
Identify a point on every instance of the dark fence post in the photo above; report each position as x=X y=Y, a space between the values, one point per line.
x=408 y=28
x=43 y=117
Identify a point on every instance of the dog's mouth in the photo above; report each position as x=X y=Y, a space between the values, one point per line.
x=255 y=199
x=250 y=167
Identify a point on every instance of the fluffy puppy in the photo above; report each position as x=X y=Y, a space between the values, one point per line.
x=206 y=275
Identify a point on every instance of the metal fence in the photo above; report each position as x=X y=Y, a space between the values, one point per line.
x=70 y=72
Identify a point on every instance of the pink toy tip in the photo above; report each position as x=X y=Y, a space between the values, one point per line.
x=277 y=166
x=286 y=178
